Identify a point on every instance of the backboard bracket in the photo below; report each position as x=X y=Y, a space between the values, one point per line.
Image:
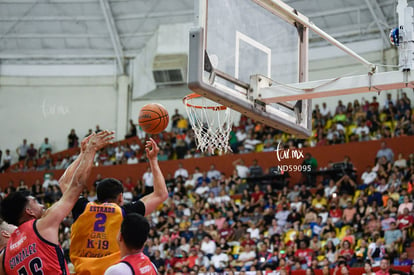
x=260 y=105
x=258 y=82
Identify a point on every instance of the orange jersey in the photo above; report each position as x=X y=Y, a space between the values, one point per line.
x=27 y=252
x=94 y=234
x=93 y=245
x=94 y=266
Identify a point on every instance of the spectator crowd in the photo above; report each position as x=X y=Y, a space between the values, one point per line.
x=214 y=223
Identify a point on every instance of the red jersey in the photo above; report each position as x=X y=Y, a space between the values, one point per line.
x=304 y=254
x=405 y=221
x=140 y=264
x=335 y=213
x=257 y=195
x=27 y=252
x=347 y=253
x=226 y=232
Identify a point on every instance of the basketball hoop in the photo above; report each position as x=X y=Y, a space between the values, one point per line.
x=211 y=123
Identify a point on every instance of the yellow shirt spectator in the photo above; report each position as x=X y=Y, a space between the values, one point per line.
x=319 y=203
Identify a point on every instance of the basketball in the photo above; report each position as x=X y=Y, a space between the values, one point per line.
x=153 y=118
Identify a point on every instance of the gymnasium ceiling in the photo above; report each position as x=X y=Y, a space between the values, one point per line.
x=66 y=30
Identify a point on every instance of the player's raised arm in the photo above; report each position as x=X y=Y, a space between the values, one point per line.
x=160 y=193
x=68 y=175
x=50 y=221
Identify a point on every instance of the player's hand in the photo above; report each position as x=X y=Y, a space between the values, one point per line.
x=151 y=148
x=98 y=141
x=85 y=141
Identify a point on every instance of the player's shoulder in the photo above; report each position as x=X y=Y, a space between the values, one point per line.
x=79 y=207
x=119 y=269
x=134 y=207
x=82 y=200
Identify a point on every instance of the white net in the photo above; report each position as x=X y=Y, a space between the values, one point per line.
x=211 y=123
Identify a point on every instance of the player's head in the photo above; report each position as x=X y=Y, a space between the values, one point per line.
x=6 y=230
x=19 y=207
x=109 y=190
x=134 y=231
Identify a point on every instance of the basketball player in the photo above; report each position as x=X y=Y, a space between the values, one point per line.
x=96 y=224
x=131 y=239
x=33 y=248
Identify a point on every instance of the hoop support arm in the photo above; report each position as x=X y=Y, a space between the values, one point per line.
x=343 y=86
x=288 y=14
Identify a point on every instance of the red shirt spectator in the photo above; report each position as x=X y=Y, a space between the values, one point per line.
x=257 y=194
x=374 y=104
x=174 y=235
x=181 y=261
x=192 y=259
x=226 y=231
x=165 y=238
x=128 y=184
x=247 y=240
x=405 y=220
x=384 y=267
x=170 y=260
x=347 y=253
x=303 y=253
x=283 y=266
x=335 y=213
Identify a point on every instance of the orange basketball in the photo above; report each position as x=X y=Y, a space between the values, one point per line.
x=153 y=118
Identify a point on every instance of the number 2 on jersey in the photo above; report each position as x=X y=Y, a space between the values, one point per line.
x=99 y=225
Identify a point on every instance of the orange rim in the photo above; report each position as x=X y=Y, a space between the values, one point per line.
x=194 y=95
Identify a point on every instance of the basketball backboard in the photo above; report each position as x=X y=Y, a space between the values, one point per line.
x=240 y=45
